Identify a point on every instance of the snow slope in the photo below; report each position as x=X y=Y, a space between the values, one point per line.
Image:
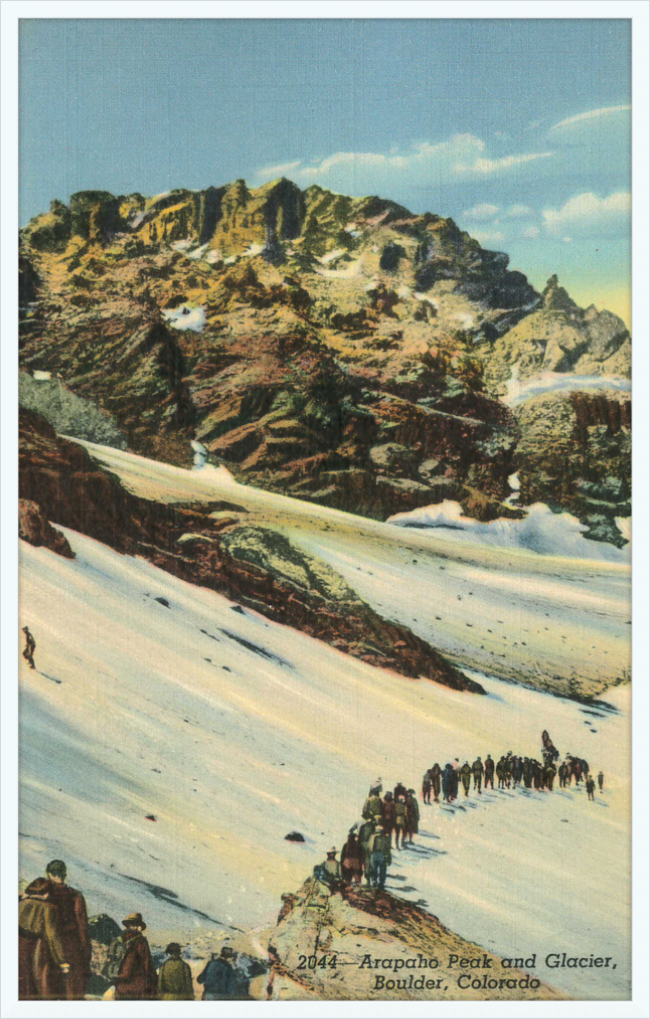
x=541 y=530
x=506 y=611
x=232 y=731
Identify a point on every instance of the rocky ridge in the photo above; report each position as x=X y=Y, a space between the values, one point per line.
x=213 y=547
x=335 y=349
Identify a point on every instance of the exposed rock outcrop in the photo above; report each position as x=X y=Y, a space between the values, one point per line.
x=254 y=566
x=34 y=527
x=377 y=946
x=294 y=332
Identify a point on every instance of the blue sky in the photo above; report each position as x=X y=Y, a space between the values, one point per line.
x=517 y=129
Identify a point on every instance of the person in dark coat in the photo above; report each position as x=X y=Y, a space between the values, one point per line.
x=466 y=777
x=42 y=965
x=436 y=776
x=426 y=787
x=477 y=772
x=72 y=924
x=412 y=815
x=549 y=775
x=400 y=821
x=366 y=831
x=218 y=977
x=590 y=785
x=30 y=647
x=601 y=781
x=175 y=977
x=447 y=783
x=489 y=772
x=399 y=790
x=137 y=979
x=352 y=860
x=388 y=814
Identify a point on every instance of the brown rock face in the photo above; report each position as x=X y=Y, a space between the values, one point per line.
x=219 y=554
x=34 y=527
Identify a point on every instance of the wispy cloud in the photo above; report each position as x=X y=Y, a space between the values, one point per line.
x=518 y=211
x=579 y=118
x=279 y=170
x=461 y=157
x=486 y=167
x=588 y=215
x=488 y=236
x=481 y=212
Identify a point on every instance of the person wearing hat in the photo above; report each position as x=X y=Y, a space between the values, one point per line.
x=412 y=815
x=136 y=979
x=175 y=977
x=42 y=963
x=218 y=977
x=380 y=858
x=71 y=920
x=366 y=831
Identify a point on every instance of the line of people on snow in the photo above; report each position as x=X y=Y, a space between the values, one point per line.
x=55 y=951
x=368 y=848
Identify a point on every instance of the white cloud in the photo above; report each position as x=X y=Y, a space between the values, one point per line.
x=488 y=236
x=423 y=165
x=604 y=111
x=484 y=167
x=280 y=170
x=531 y=232
x=482 y=211
x=518 y=211
x=567 y=240
x=587 y=215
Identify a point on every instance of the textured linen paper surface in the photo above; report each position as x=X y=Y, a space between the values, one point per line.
x=325 y=518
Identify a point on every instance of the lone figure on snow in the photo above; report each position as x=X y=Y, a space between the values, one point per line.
x=30 y=647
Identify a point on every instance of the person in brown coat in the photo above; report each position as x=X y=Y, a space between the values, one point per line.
x=352 y=860
x=137 y=979
x=72 y=925
x=388 y=814
x=42 y=965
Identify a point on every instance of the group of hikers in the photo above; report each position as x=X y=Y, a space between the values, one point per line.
x=367 y=850
x=55 y=951
x=510 y=770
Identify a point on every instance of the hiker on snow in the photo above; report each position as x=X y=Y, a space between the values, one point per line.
x=436 y=775
x=388 y=814
x=130 y=966
x=466 y=777
x=477 y=772
x=601 y=781
x=366 y=831
x=400 y=821
x=175 y=977
x=489 y=772
x=426 y=787
x=30 y=647
x=590 y=785
x=372 y=807
x=412 y=815
x=352 y=859
x=380 y=858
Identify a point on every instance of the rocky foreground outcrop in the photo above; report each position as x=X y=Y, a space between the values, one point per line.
x=213 y=547
x=373 y=945
x=335 y=349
